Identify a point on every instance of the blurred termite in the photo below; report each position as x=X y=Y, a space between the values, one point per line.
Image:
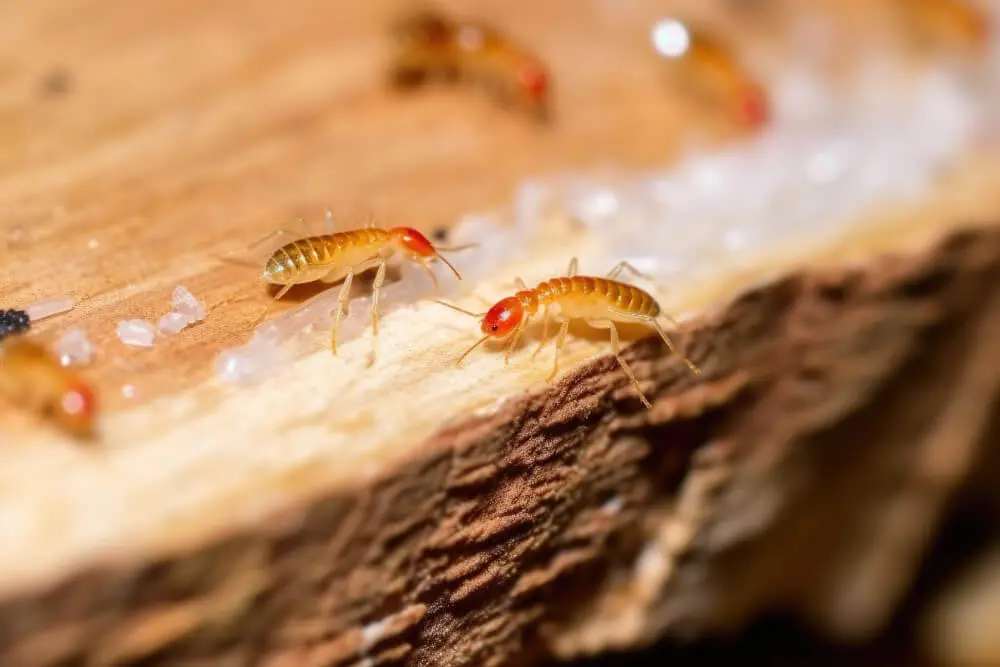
x=602 y=302
x=956 y=25
x=711 y=72
x=33 y=378
x=340 y=256
x=429 y=45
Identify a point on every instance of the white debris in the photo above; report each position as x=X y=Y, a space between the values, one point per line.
x=268 y=350
x=801 y=181
x=137 y=333
x=172 y=323
x=74 y=348
x=186 y=304
x=49 y=307
x=129 y=391
x=253 y=362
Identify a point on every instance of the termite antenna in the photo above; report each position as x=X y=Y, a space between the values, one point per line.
x=474 y=346
x=459 y=309
x=456 y=248
x=448 y=264
x=439 y=250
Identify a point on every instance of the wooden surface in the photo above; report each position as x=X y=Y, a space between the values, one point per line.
x=180 y=131
x=188 y=128
x=142 y=141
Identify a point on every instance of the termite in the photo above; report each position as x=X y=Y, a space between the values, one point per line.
x=32 y=377
x=602 y=302
x=340 y=256
x=947 y=22
x=430 y=45
x=712 y=72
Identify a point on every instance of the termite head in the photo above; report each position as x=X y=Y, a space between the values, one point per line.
x=753 y=108
x=74 y=409
x=499 y=321
x=417 y=247
x=503 y=318
x=533 y=84
x=413 y=244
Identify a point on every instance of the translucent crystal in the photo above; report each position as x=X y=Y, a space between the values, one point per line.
x=251 y=363
x=49 y=307
x=137 y=333
x=172 y=323
x=73 y=347
x=185 y=303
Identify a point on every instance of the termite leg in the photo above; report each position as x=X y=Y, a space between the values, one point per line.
x=615 y=350
x=305 y=226
x=269 y=236
x=330 y=224
x=376 y=287
x=519 y=284
x=573 y=267
x=430 y=272
x=651 y=321
x=626 y=266
x=345 y=295
x=283 y=291
x=560 y=340
x=251 y=246
x=513 y=341
x=545 y=332
x=282 y=232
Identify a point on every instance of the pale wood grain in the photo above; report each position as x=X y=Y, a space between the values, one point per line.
x=187 y=130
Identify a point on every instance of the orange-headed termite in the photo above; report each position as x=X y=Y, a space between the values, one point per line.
x=30 y=376
x=712 y=72
x=602 y=302
x=340 y=256
x=430 y=45
x=956 y=24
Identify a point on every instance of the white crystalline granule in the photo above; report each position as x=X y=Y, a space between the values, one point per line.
x=801 y=181
x=129 y=391
x=253 y=362
x=185 y=304
x=138 y=333
x=73 y=347
x=172 y=323
x=48 y=308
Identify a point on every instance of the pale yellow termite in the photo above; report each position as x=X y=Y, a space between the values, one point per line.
x=602 y=302
x=340 y=256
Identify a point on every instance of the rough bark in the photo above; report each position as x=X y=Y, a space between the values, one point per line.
x=839 y=412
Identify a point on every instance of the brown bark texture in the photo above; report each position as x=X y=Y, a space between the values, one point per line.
x=840 y=412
